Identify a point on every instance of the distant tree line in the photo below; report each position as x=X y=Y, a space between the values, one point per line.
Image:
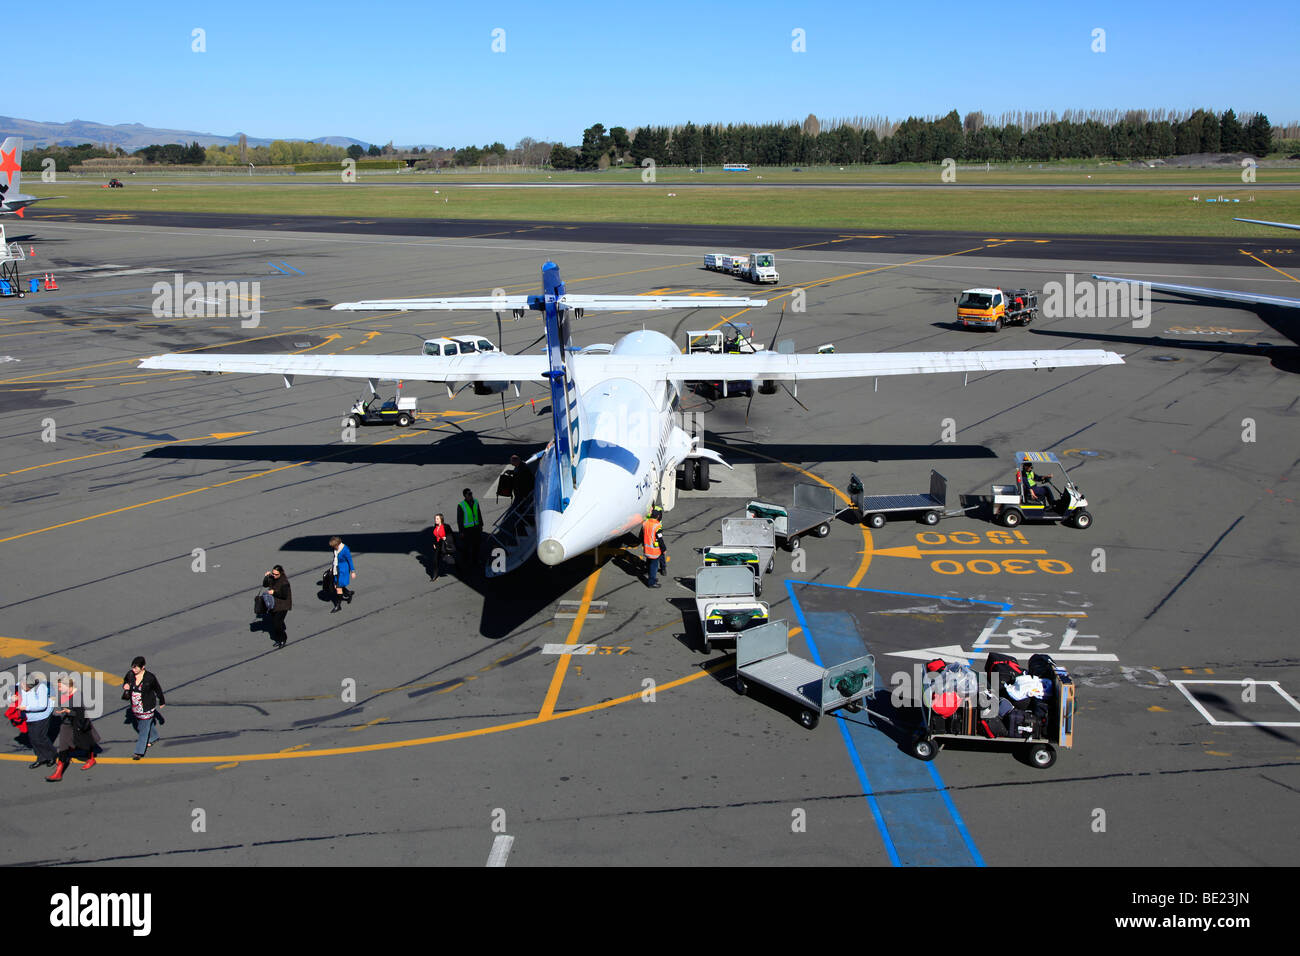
x=67 y=156
x=931 y=140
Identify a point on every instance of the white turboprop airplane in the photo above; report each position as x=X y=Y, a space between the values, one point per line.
x=617 y=441
x=12 y=198
x=1227 y=295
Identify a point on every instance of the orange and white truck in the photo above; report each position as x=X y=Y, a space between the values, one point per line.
x=994 y=308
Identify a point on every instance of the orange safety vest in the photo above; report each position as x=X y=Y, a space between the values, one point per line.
x=649 y=535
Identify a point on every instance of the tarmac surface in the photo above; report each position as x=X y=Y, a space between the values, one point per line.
x=429 y=718
x=1189 y=250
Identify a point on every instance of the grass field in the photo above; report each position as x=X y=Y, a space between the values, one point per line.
x=1129 y=212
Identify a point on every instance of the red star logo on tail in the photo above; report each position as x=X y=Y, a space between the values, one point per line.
x=9 y=164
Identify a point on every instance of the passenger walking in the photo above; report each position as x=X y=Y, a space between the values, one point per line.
x=343 y=572
x=439 y=531
x=142 y=689
x=76 y=731
x=37 y=707
x=469 y=522
x=276 y=583
x=652 y=540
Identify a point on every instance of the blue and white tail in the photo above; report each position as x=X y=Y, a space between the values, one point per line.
x=566 y=406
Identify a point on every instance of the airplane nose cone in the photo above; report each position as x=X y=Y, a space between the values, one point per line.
x=550 y=551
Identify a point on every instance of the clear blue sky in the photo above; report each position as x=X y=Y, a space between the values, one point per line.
x=426 y=73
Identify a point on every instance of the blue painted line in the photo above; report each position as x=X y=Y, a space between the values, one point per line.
x=918 y=821
x=276 y=268
x=290 y=268
x=854 y=757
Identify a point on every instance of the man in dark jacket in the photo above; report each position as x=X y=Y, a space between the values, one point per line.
x=276 y=583
x=142 y=689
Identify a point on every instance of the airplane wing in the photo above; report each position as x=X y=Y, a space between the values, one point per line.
x=1250 y=298
x=497 y=366
x=536 y=303
x=793 y=368
x=1264 y=222
x=478 y=367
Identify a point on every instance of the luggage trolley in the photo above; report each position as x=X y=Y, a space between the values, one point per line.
x=812 y=509
x=727 y=603
x=747 y=541
x=926 y=508
x=962 y=719
x=763 y=658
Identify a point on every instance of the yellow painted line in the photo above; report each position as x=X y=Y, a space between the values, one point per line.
x=182 y=494
x=562 y=665
x=418 y=742
x=19 y=647
x=222 y=766
x=328 y=339
x=117 y=451
x=1274 y=268
x=377 y=720
x=289 y=750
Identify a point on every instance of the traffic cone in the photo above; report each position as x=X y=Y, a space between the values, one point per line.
x=53 y=284
x=31 y=254
x=45 y=282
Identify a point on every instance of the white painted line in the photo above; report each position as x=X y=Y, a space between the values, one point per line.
x=500 y=850
x=573 y=650
x=1240 y=684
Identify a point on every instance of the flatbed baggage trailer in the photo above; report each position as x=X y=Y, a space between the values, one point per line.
x=726 y=602
x=763 y=658
x=927 y=508
x=812 y=510
x=1039 y=750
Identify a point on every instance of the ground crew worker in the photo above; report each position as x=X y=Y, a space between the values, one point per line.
x=651 y=539
x=1035 y=487
x=469 y=523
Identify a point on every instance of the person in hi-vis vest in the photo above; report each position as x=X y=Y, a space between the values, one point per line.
x=652 y=538
x=469 y=522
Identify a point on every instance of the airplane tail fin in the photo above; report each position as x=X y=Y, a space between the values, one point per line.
x=566 y=410
x=11 y=163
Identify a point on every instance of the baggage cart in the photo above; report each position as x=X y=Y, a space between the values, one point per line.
x=812 y=509
x=928 y=508
x=726 y=602
x=763 y=658
x=747 y=541
x=1039 y=749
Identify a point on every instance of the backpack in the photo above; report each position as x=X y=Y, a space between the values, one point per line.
x=1042 y=665
x=259 y=604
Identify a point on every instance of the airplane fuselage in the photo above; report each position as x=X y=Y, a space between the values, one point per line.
x=630 y=440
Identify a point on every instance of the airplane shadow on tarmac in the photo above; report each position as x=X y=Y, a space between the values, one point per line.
x=739 y=450
x=466 y=448
x=1285 y=358
x=509 y=602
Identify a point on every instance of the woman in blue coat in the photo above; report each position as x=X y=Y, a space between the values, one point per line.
x=344 y=570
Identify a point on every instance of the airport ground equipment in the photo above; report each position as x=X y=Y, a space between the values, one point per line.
x=1014 y=504
x=994 y=308
x=812 y=509
x=748 y=542
x=726 y=601
x=756 y=267
x=736 y=339
x=965 y=722
x=11 y=254
x=394 y=411
x=926 y=507
x=763 y=659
